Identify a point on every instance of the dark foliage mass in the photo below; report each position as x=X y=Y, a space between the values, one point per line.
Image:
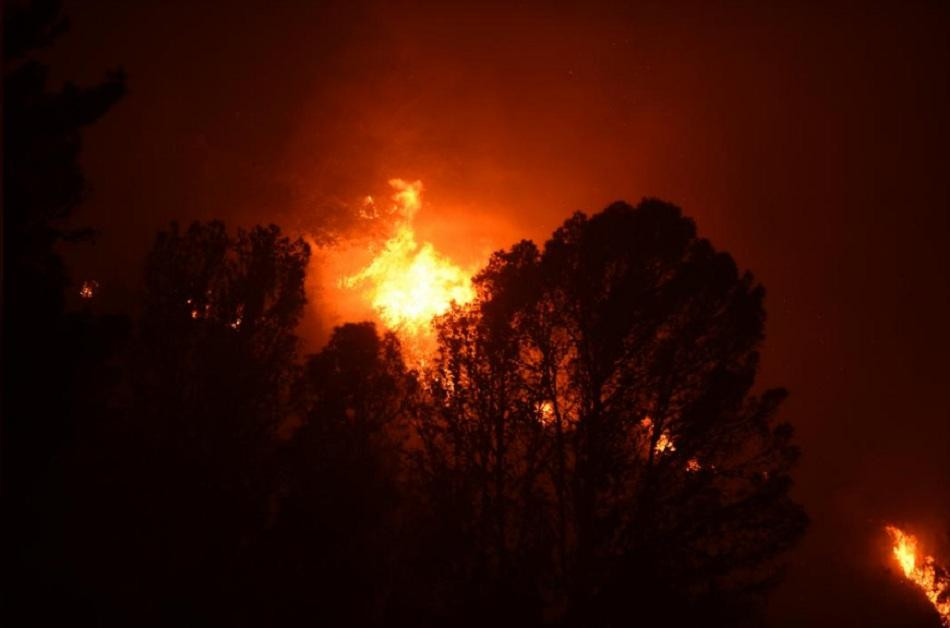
x=593 y=432
x=585 y=449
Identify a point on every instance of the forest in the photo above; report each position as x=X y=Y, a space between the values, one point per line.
x=586 y=446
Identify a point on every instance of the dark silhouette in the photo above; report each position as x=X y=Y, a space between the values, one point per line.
x=335 y=544
x=50 y=355
x=594 y=441
x=210 y=379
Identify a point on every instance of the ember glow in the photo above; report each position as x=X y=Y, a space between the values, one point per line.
x=922 y=570
x=665 y=443
x=409 y=283
x=88 y=289
x=546 y=412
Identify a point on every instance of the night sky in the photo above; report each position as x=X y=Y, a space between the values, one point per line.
x=810 y=141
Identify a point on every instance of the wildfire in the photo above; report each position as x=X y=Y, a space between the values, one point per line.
x=922 y=571
x=665 y=443
x=545 y=411
x=88 y=289
x=408 y=283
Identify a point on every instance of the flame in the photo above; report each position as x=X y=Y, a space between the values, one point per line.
x=545 y=411
x=922 y=571
x=664 y=443
x=408 y=283
x=88 y=289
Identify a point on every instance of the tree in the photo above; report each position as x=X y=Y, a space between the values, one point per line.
x=212 y=367
x=50 y=353
x=335 y=544
x=482 y=456
x=42 y=181
x=598 y=394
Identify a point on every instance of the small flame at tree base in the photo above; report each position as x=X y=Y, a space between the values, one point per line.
x=921 y=570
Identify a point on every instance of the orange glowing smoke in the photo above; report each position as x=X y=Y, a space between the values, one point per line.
x=408 y=283
x=922 y=571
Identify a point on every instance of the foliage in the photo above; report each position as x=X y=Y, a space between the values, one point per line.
x=595 y=421
x=50 y=354
x=587 y=448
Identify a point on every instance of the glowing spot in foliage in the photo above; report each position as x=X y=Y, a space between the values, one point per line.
x=88 y=289
x=545 y=411
x=665 y=443
x=236 y=323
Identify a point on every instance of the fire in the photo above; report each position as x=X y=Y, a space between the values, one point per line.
x=665 y=443
x=922 y=571
x=408 y=283
x=545 y=411
x=88 y=289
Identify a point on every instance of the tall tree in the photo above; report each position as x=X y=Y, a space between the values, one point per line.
x=47 y=350
x=334 y=548
x=483 y=451
x=624 y=356
x=212 y=368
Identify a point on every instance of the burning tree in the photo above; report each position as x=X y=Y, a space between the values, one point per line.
x=595 y=442
x=922 y=571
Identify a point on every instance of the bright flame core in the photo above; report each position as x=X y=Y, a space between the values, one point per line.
x=922 y=571
x=545 y=411
x=408 y=283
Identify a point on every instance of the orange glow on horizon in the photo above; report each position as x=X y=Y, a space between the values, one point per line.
x=922 y=571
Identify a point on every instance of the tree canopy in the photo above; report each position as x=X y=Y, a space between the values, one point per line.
x=586 y=447
x=595 y=422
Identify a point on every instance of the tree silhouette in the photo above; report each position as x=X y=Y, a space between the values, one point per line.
x=482 y=457
x=586 y=448
x=594 y=409
x=51 y=355
x=212 y=368
x=334 y=546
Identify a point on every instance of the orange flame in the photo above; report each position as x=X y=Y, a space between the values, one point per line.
x=408 y=283
x=545 y=411
x=88 y=289
x=922 y=571
x=665 y=443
